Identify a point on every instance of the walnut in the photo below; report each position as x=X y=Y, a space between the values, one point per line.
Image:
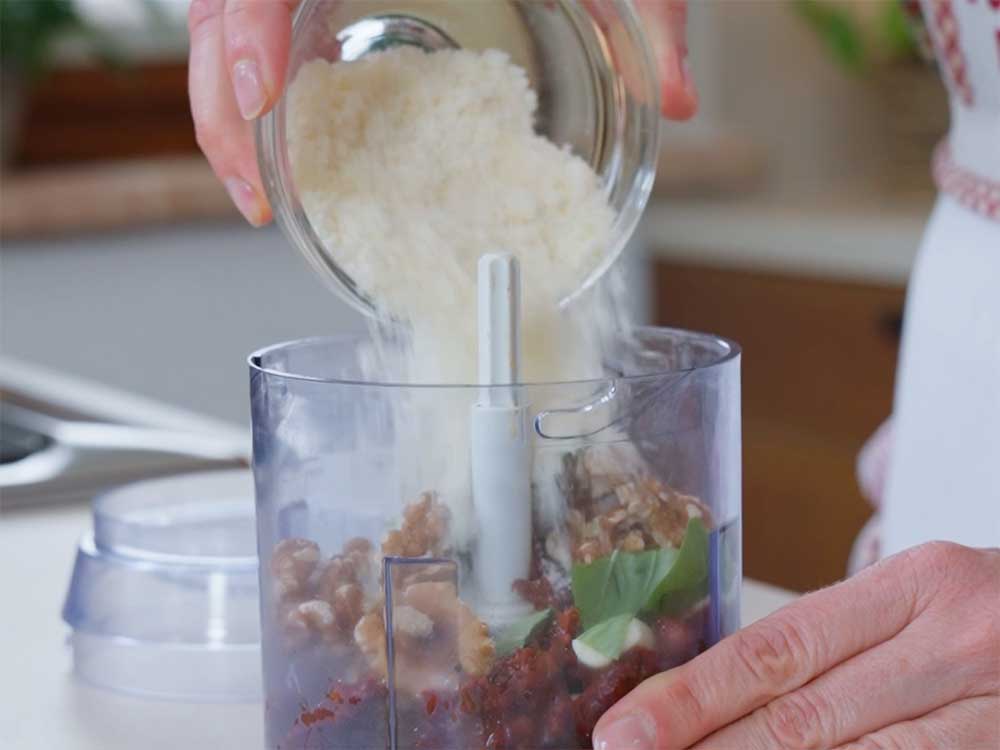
x=292 y=563
x=360 y=553
x=637 y=499
x=591 y=550
x=395 y=545
x=476 y=650
x=640 y=514
x=633 y=542
x=330 y=621
x=369 y=635
x=435 y=637
x=411 y=622
x=359 y=549
x=354 y=567
x=348 y=606
x=694 y=509
x=609 y=466
x=439 y=602
x=667 y=525
x=307 y=619
x=334 y=573
x=425 y=526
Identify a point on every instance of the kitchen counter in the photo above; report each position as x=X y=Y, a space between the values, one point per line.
x=44 y=707
x=847 y=233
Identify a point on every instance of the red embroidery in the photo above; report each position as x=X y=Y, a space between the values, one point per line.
x=950 y=50
x=970 y=189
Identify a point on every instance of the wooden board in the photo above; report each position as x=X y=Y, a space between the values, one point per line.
x=112 y=195
x=818 y=368
x=92 y=113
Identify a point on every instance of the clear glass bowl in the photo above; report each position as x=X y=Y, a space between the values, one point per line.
x=372 y=631
x=590 y=64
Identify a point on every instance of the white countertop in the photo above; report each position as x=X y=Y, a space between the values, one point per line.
x=842 y=235
x=43 y=707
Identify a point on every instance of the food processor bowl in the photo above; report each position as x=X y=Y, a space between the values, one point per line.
x=374 y=632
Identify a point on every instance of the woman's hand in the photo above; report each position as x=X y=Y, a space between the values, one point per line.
x=239 y=58
x=239 y=55
x=906 y=655
x=666 y=25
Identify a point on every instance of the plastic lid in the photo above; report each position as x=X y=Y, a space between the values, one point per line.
x=164 y=595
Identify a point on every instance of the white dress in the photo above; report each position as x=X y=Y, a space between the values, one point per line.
x=943 y=477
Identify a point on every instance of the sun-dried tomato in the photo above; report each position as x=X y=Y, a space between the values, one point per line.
x=538 y=592
x=539 y=696
x=607 y=686
x=334 y=724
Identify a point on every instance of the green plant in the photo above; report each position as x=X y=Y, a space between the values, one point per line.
x=862 y=34
x=28 y=29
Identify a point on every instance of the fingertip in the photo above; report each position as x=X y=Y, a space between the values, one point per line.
x=249 y=200
x=678 y=95
x=636 y=730
x=679 y=104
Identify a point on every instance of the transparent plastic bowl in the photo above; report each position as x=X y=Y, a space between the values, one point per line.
x=590 y=64
x=373 y=633
x=163 y=601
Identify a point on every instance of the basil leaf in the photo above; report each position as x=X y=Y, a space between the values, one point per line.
x=659 y=580
x=608 y=637
x=517 y=633
x=620 y=584
x=686 y=583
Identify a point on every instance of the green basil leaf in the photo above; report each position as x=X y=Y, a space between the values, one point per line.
x=515 y=635
x=620 y=584
x=686 y=583
x=660 y=580
x=608 y=637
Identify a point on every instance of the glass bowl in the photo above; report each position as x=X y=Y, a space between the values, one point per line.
x=589 y=63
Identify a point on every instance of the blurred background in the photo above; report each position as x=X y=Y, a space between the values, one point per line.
x=786 y=216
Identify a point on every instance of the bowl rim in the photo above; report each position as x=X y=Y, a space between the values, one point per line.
x=729 y=351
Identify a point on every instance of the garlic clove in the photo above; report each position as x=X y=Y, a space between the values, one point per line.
x=589 y=656
x=638 y=635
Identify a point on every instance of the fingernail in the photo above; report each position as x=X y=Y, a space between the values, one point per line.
x=631 y=732
x=246 y=200
x=250 y=94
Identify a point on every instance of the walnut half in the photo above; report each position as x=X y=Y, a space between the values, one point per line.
x=425 y=526
x=435 y=636
x=292 y=563
x=639 y=514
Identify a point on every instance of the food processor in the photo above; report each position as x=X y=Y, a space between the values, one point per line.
x=376 y=628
